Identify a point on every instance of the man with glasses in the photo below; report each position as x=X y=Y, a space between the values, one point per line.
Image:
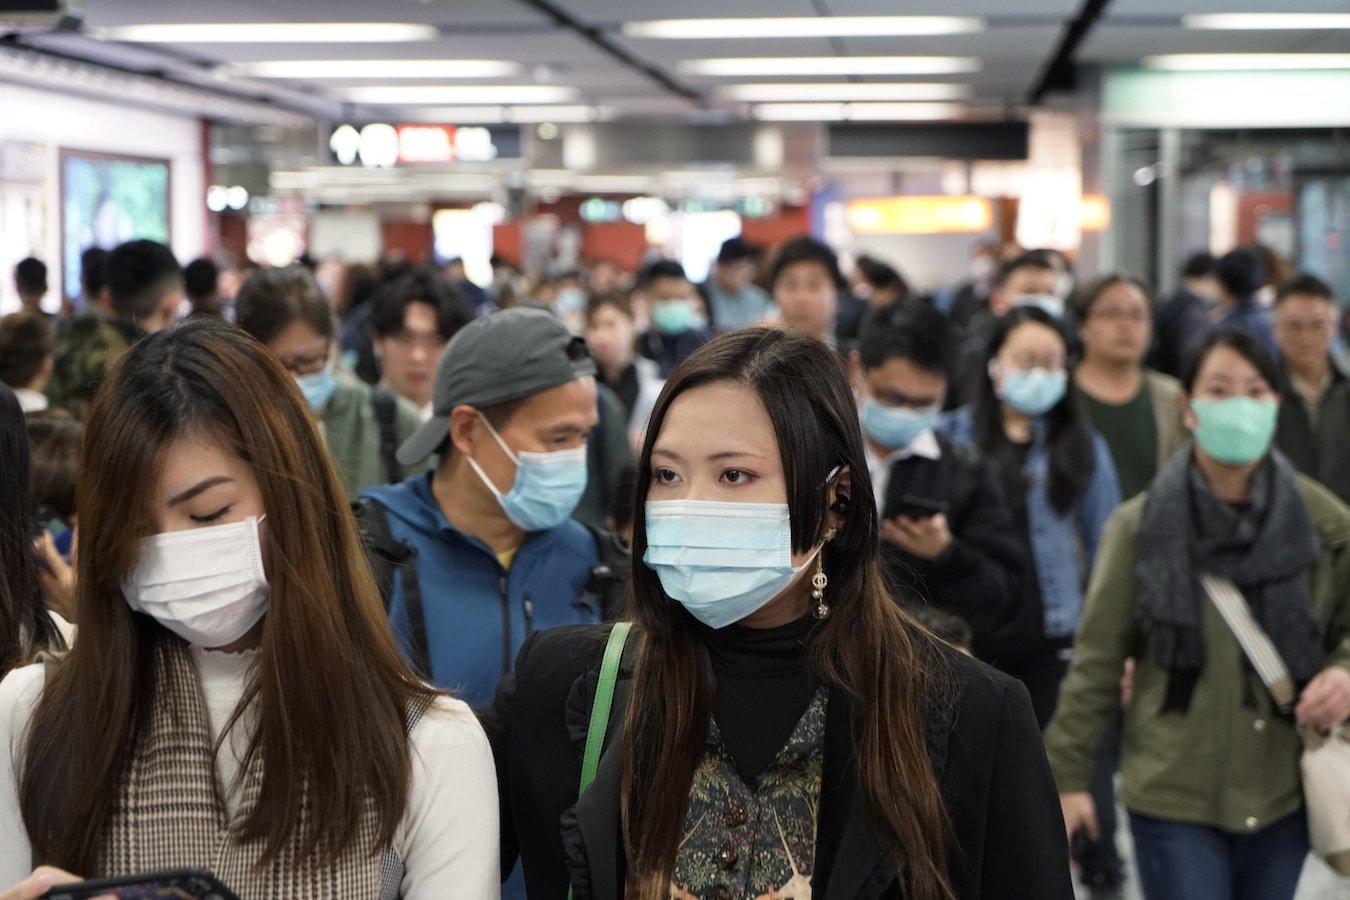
x=1314 y=424
x=947 y=534
x=1135 y=410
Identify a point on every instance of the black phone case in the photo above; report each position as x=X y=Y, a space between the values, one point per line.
x=175 y=884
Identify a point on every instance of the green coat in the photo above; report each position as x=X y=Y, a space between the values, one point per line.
x=353 y=436
x=1224 y=763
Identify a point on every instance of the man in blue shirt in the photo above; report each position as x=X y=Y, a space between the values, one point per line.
x=491 y=551
x=733 y=299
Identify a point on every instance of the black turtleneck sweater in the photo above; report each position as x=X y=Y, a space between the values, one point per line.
x=763 y=689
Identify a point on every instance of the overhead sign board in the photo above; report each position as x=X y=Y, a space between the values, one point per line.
x=379 y=145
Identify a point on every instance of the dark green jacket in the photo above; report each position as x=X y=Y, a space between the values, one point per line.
x=1322 y=452
x=1230 y=762
x=352 y=433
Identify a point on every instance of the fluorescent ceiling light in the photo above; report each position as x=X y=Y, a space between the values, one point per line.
x=1243 y=62
x=855 y=112
x=271 y=33
x=443 y=93
x=750 y=66
x=377 y=68
x=804 y=26
x=558 y=114
x=1266 y=21
x=772 y=93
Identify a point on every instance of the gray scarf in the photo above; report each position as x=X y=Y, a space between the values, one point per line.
x=1266 y=551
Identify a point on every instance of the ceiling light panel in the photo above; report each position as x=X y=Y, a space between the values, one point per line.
x=377 y=68
x=855 y=112
x=445 y=93
x=843 y=91
x=271 y=32
x=757 y=66
x=803 y=27
x=1267 y=21
x=1241 y=62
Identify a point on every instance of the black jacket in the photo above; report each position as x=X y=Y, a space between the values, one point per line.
x=1177 y=325
x=669 y=350
x=986 y=749
x=983 y=577
x=1323 y=452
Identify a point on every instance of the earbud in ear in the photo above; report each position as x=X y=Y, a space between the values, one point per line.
x=840 y=505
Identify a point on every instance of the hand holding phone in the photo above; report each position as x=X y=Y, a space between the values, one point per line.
x=174 y=884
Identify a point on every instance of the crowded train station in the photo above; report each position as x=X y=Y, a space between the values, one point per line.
x=575 y=449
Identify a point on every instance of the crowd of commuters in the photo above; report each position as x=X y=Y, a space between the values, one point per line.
x=590 y=582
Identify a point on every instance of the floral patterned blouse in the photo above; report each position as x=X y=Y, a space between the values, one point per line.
x=753 y=840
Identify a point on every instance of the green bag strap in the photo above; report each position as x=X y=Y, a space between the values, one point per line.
x=604 y=701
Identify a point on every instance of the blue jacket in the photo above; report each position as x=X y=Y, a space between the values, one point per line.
x=1062 y=546
x=477 y=613
x=1258 y=321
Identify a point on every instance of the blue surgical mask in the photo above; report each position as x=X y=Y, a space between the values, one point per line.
x=570 y=300
x=1033 y=392
x=318 y=387
x=1049 y=304
x=720 y=561
x=547 y=488
x=896 y=426
x=674 y=316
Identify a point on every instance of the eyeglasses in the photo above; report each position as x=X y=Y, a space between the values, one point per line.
x=1313 y=327
x=306 y=365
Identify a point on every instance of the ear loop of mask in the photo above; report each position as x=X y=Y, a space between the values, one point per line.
x=473 y=464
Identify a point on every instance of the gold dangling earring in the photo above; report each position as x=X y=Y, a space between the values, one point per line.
x=820 y=581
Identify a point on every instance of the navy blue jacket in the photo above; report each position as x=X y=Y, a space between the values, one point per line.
x=477 y=613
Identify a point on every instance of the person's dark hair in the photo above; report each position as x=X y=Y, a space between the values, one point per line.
x=867 y=649
x=200 y=279
x=914 y=332
x=30 y=276
x=453 y=312
x=1085 y=299
x=272 y=299
x=93 y=272
x=55 y=445
x=330 y=690
x=621 y=513
x=1031 y=259
x=1199 y=265
x=25 y=626
x=1242 y=272
x=882 y=276
x=139 y=274
x=26 y=343
x=1243 y=343
x=804 y=248
x=1304 y=285
x=619 y=300
x=662 y=268
x=1072 y=460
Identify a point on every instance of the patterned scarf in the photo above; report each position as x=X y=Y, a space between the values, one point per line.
x=1267 y=551
x=168 y=812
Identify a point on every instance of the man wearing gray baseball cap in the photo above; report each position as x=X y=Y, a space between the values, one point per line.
x=485 y=548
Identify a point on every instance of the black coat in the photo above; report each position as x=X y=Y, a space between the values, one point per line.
x=986 y=750
x=984 y=577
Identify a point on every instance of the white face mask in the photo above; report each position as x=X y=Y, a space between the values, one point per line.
x=206 y=585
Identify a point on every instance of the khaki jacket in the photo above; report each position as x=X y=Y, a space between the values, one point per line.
x=1230 y=762
x=1166 y=396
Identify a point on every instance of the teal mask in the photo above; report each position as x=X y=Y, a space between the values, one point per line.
x=675 y=316
x=1235 y=430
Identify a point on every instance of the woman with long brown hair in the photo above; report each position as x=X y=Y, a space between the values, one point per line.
x=234 y=700
x=780 y=727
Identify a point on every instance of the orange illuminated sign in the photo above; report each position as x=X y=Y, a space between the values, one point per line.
x=1094 y=213
x=919 y=215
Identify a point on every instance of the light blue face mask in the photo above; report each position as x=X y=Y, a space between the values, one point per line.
x=547 y=488
x=675 y=316
x=318 y=387
x=1033 y=392
x=720 y=561
x=896 y=426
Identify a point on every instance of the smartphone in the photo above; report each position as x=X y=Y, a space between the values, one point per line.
x=173 y=884
x=920 y=507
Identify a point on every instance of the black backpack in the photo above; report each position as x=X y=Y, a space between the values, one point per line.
x=604 y=590
x=385 y=406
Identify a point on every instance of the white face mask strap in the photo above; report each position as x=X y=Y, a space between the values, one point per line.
x=510 y=454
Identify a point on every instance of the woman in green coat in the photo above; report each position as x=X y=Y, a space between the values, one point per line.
x=1209 y=764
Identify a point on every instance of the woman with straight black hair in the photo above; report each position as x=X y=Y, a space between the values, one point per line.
x=779 y=726
x=1059 y=479
x=1228 y=529
x=26 y=626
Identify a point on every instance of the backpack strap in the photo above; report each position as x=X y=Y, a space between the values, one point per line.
x=608 y=579
x=385 y=406
x=601 y=707
x=386 y=554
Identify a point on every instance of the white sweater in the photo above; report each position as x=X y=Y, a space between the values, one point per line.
x=448 y=837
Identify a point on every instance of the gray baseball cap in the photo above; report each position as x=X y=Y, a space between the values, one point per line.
x=504 y=356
